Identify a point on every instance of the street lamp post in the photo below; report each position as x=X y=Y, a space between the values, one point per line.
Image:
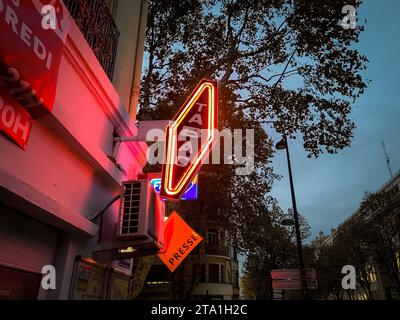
x=280 y=146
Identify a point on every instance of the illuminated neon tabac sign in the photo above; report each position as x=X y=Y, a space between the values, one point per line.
x=189 y=138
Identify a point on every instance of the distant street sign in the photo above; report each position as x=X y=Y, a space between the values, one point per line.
x=295 y=284
x=294 y=279
x=278 y=295
x=191 y=192
x=293 y=274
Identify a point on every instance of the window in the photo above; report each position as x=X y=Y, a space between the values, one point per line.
x=217 y=273
x=235 y=278
x=212 y=237
x=371 y=273
x=213 y=273
x=235 y=253
x=221 y=237
x=96 y=22
x=203 y=273
x=158 y=274
x=362 y=296
x=223 y=274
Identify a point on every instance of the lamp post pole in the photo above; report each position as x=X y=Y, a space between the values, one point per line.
x=295 y=212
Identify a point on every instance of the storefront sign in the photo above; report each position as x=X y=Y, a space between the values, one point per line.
x=30 y=54
x=88 y=280
x=294 y=279
x=15 y=121
x=179 y=240
x=189 y=138
x=310 y=284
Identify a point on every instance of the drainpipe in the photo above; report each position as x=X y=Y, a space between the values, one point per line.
x=137 y=72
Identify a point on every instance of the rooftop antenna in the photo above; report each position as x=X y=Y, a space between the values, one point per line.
x=387 y=158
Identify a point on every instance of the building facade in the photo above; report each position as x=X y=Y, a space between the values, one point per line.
x=71 y=168
x=381 y=287
x=219 y=272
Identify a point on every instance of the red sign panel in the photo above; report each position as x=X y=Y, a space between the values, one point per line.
x=292 y=274
x=179 y=240
x=189 y=138
x=15 y=121
x=30 y=54
x=299 y=284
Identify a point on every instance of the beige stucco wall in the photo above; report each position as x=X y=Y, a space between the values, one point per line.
x=66 y=172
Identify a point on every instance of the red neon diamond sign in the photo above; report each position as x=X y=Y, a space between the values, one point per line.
x=189 y=138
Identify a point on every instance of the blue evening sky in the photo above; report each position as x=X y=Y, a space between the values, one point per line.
x=329 y=189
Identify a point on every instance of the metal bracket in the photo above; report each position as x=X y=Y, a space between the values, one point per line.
x=120 y=250
x=144 y=128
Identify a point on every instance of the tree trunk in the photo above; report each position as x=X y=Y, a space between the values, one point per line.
x=140 y=276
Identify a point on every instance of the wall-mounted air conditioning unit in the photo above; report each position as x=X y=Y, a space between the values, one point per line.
x=141 y=214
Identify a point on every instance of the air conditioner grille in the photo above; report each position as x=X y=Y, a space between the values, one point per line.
x=130 y=208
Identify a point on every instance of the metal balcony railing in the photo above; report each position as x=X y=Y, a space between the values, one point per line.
x=94 y=19
x=214 y=249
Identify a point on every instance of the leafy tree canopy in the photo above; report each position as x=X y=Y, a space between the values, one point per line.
x=286 y=61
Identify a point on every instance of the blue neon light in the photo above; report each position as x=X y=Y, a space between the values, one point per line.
x=190 y=194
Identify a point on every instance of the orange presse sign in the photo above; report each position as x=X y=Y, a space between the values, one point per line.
x=179 y=240
x=189 y=138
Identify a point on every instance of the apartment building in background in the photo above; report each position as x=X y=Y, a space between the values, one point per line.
x=380 y=285
x=219 y=276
